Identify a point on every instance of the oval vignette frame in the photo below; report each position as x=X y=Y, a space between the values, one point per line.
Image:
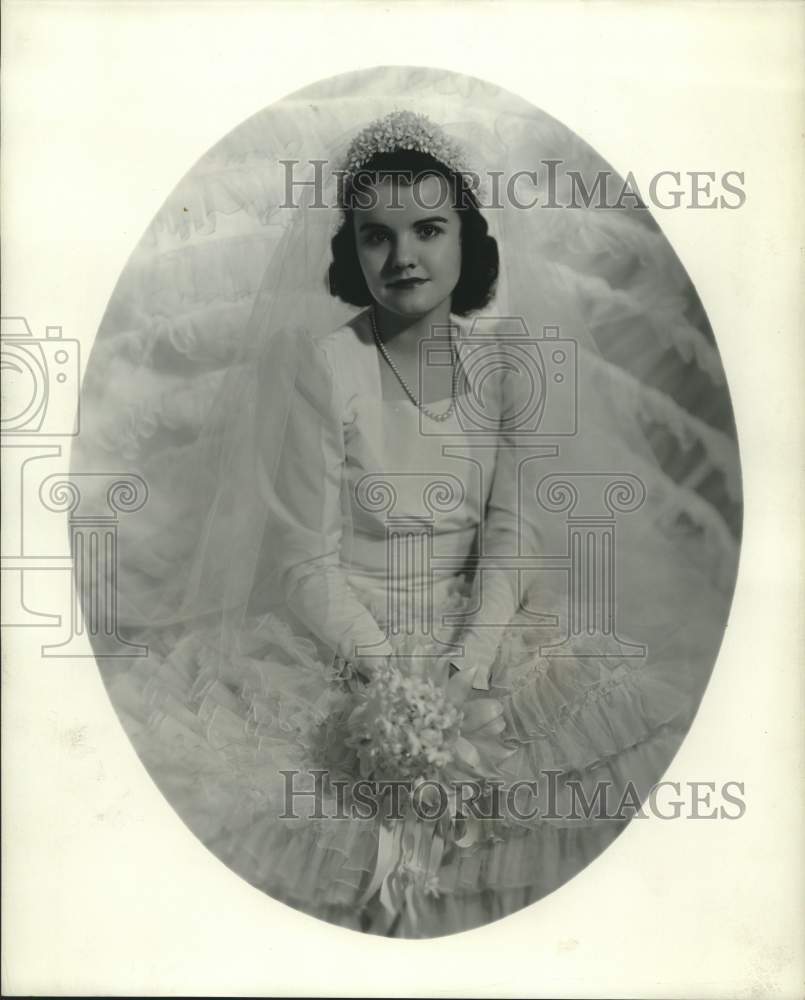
x=163 y=347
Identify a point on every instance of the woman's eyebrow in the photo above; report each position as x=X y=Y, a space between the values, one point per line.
x=416 y=222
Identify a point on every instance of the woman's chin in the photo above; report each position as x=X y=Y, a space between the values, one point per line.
x=410 y=311
x=411 y=303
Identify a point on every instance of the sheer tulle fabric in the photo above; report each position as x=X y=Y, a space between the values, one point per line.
x=243 y=572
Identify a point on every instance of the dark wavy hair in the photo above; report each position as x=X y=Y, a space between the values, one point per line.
x=479 y=250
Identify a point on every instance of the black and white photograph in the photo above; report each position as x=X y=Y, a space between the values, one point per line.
x=436 y=502
x=396 y=503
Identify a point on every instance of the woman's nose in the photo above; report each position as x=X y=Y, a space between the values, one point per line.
x=402 y=254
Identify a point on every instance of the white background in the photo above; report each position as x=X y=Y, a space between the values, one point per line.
x=105 y=106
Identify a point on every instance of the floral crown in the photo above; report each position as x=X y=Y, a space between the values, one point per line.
x=403 y=130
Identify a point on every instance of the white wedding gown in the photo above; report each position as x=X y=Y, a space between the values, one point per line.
x=215 y=739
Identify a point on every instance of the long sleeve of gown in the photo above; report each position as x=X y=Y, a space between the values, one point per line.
x=509 y=529
x=306 y=514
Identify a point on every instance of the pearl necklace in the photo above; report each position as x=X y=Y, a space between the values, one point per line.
x=438 y=417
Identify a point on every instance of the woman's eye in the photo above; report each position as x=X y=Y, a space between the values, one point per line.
x=376 y=237
x=428 y=231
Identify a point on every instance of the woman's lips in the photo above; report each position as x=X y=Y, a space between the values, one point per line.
x=406 y=283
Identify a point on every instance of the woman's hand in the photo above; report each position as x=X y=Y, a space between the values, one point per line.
x=464 y=679
x=478 y=659
x=481 y=677
x=459 y=685
x=365 y=667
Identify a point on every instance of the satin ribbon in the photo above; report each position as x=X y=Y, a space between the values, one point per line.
x=407 y=850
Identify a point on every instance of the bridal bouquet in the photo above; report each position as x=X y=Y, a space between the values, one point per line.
x=404 y=726
x=414 y=724
x=411 y=722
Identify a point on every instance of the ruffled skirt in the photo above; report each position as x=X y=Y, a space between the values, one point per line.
x=217 y=727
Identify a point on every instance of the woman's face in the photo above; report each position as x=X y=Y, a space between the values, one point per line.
x=409 y=251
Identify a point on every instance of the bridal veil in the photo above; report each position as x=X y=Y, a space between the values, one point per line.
x=629 y=467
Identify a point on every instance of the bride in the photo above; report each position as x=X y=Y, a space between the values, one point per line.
x=417 y=262
x=383 y=535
